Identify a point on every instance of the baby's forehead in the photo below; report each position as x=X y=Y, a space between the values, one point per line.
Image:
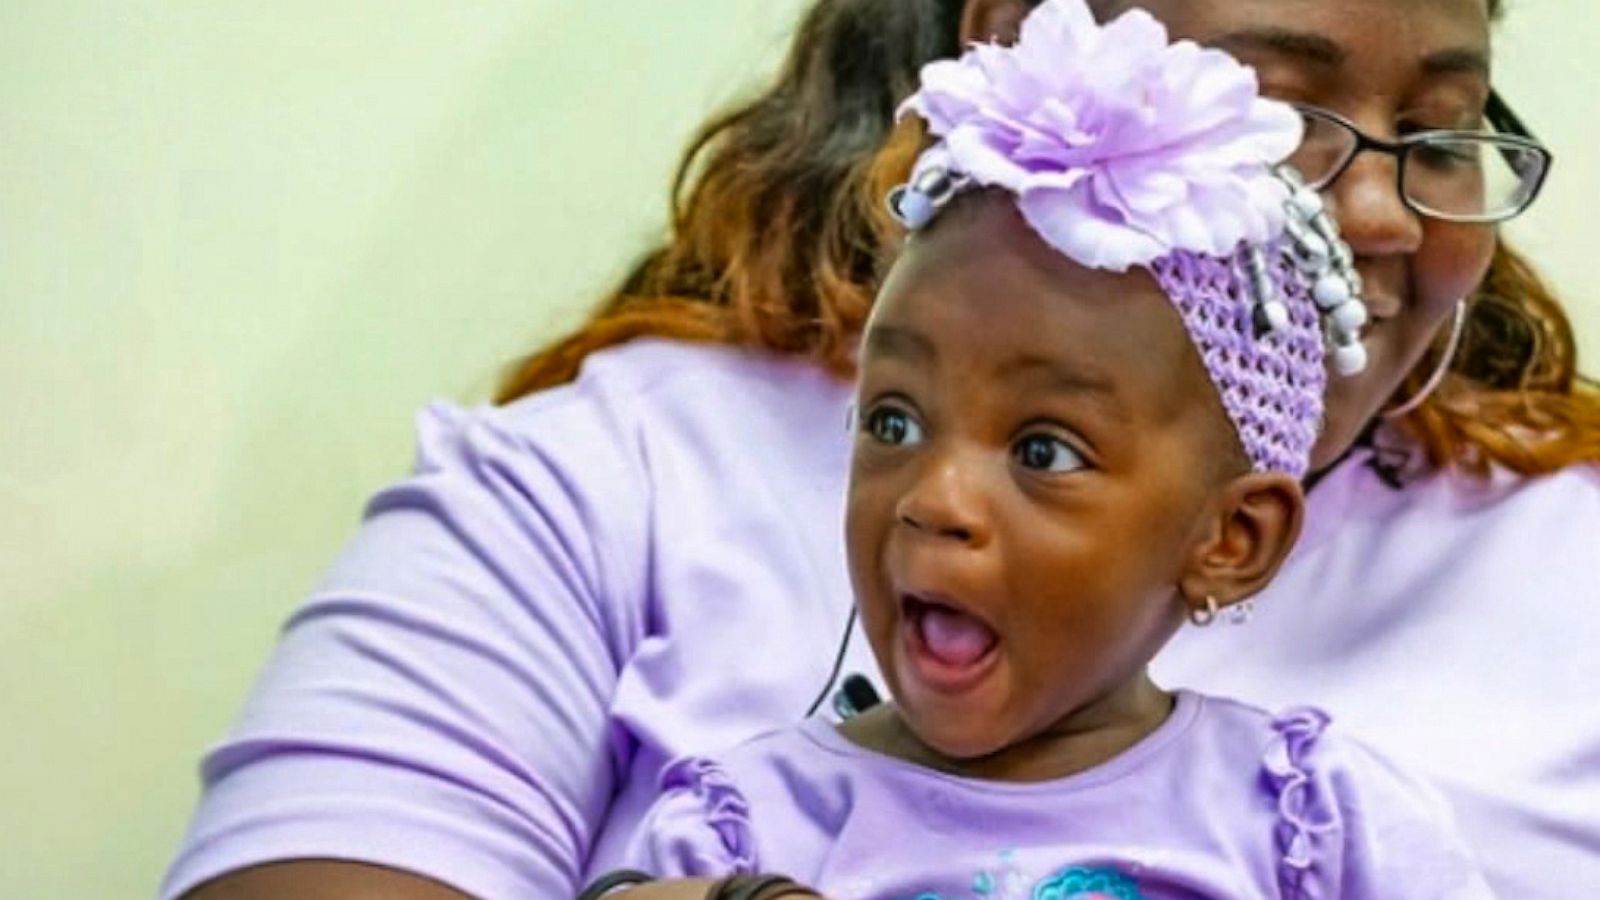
x=1011 y=320
x=1019 y=321
x=1022 y=293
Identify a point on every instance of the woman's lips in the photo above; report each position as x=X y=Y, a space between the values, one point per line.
x=1382 y=303
x=949 y=649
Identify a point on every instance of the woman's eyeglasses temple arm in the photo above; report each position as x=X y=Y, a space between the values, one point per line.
x=1499 y=114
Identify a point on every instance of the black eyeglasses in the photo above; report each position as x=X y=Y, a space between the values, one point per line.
x=1457 y=176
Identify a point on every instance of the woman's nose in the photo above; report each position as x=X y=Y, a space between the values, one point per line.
x=1373 y=217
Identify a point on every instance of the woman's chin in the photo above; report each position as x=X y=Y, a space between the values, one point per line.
x=1336 y=440
x=1351 y=407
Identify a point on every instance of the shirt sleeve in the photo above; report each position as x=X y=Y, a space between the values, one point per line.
x=440 y=703
x=1353 y=825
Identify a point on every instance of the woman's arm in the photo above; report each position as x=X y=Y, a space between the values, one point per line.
x=674 y=889
x=317 y=880
x=440 y=705
x=324 y=880
x=702 y=889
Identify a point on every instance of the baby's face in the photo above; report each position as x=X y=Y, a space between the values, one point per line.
x=1036 y=447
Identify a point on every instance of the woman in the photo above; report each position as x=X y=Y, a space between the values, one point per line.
x=643 y=560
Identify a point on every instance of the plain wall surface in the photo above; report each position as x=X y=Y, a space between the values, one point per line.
x=241 y=243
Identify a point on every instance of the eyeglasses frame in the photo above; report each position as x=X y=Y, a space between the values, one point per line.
x=1508 y=129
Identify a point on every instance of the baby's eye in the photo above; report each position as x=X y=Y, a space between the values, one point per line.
x=893 y=426
x=1044 y=453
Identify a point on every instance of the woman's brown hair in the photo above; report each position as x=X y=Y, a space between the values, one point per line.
x=778 y=234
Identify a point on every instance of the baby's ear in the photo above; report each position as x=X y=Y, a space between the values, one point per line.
x=983 y=21
x=1249 y=532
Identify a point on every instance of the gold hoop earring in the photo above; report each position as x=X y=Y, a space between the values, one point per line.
x=1457 y=326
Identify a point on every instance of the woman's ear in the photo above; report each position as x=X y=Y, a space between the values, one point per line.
x=983 y=21
x=1245 y=538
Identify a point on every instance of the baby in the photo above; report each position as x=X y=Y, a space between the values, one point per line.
x=1087 y=395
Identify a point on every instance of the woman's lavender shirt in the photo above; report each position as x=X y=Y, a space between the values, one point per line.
x=1222 y=802
x=575 y=589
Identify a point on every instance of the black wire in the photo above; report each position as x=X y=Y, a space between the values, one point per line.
x=838 y=664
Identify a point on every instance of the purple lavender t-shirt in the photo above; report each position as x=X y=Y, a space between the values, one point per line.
x=1222 y=801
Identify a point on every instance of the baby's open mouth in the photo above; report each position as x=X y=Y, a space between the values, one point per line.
x=948 y=636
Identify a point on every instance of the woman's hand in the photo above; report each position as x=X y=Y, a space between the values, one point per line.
x=323 y=880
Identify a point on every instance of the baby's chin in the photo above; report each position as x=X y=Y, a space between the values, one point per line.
x=964 y=739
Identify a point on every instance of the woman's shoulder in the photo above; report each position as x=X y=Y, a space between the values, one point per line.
x=1451 y=512
x=1455 y=490
x=660 y=379
x=1529 y=522
x=1574 y=489
x=723 y=406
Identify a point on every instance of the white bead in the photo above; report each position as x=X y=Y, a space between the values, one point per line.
x=1310 y=266
x=1350 y=316
x=1311 y=254
x=1332 y=290
x=934 y=182
x=1274 y=316
x=915 y=208
x=1349 y=359
x=1307 y=201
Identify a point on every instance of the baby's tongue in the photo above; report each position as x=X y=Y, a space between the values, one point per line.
x=954 y=638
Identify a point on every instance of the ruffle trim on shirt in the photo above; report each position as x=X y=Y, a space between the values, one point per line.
x=725 y=810
x=1308 y=823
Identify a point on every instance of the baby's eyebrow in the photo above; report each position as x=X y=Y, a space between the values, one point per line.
x=1054 y=374
x=900 y=343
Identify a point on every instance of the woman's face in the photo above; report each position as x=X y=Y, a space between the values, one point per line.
x=1393 y=67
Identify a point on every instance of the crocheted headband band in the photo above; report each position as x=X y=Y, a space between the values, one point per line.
x=1125 y=149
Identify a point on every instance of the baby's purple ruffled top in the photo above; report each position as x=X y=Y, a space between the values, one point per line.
x=1221 y=801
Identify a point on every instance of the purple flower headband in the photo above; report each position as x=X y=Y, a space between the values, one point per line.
x=1124 y=149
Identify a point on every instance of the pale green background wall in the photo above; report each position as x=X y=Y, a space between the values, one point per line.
x=241 y=242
